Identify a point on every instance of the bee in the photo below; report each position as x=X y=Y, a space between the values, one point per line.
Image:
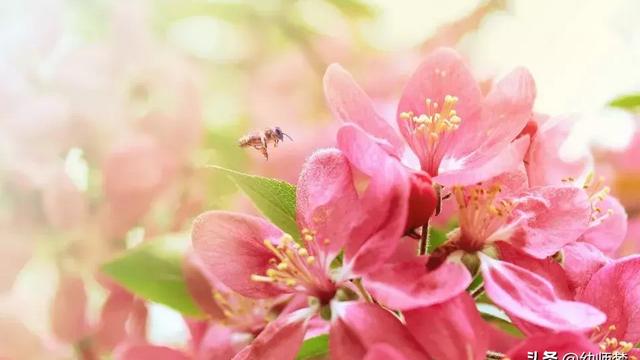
x=259 y=141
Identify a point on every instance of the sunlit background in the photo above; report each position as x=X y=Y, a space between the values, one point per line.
x=110 y=110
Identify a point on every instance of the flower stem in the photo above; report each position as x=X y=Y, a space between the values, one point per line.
x=424 y=240
x=477 y=292
x=365 y=295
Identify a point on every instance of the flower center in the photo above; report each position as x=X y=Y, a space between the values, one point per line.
x=298 y=267
x=597 y=191
x=609 y=344
x=481 y=214
x=243 y=313
x=430 y=128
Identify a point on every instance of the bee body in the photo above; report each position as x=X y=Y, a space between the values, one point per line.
x=260 y=141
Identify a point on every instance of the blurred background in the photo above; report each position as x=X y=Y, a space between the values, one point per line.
x=109 y=111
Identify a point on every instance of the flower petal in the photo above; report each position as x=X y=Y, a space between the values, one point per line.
x=349 y=103
x=200 y=287
x=113 y=319
x=231 y=247
x=68 y=311
x=545 y=164
x=450 y=330
x=609 y=233
x=356 y=327
x=480 y=166
x=562 y=343
x=217 y=343
x=325 y=197
x=280 y=340
x=548 y=268
x=581 y=260
x=554 y=216
x=505 y=112
x=615 y=289
x=442 y=73
x=408 y=285
x=382 y=207
x=531 y=298
x=383 y=352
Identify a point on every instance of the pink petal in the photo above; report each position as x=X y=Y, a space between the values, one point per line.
x=442 y=73
x=383 y=205
x=325 y=197
x=113 y=319
x=615 y=289
x=531 y=298
x=554 y=216
x=451 y=330
x=548 y=268
x=217 y=343
x=280 y=340
x=408 y=285
x=197 y=329
x=149 y=352
x=505 y=112
x=608 y=234
x=383 y=352
x=68 y=311
x=545 y=165
x=200 y=287
x=581 y=260
x=349 y=103
x=231 y=247
x=561 y=343
x=356 y=327
x=481 y=166
x=137 y=325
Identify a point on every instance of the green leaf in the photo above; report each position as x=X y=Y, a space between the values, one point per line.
x=276 y=199
x=497 y=317
x=314 y=347
x=153 y=271
x=628 y=102
x=436 y=238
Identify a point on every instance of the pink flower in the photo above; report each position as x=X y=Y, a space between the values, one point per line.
x=538 y=222
x=546 y=166
x=458 y=136
x=68 y=310
x=615 y=289
x=359 y=207
x=592 y=278
x=241 y=314
x=366 y=153
x=545 y=163
x=455 y=330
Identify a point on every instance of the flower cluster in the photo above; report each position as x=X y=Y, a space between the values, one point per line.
x=527 y=264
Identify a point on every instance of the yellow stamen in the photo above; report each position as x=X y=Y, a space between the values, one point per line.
x=481 y=213
x=433 y=123
x=292 y=264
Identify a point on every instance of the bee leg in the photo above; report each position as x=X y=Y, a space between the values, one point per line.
x=263 y=149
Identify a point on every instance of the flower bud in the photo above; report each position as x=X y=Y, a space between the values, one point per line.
x=422 y=200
